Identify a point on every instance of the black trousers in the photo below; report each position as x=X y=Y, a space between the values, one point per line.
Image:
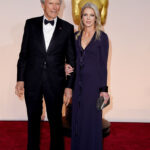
x=54 y=100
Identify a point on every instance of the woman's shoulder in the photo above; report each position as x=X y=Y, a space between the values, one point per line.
x=103 y=35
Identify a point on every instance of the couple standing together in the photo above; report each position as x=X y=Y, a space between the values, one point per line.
x=48 y=44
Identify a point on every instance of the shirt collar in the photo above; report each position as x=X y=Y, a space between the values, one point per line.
x=55 y=20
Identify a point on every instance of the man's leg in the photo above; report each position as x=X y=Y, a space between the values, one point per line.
x=56 y=132
x=54 y=100
x=34 y=110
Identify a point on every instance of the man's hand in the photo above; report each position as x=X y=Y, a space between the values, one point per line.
x=68 y=96
x=19 y=89
x=105 y=95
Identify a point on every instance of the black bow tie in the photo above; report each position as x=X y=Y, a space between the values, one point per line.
x=46 y=22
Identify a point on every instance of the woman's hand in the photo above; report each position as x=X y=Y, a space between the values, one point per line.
x=106 y=96
x=68 y=69
x=68 y=96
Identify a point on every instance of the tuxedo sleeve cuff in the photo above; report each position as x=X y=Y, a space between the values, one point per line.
x=70 y=81
x=69 y=86
x=103 y=89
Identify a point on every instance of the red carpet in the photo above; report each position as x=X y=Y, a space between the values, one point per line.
x=123 y=136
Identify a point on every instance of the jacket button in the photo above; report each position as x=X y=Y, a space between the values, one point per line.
x=44 y=66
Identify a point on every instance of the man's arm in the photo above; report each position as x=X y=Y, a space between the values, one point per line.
x=19 y=89
x=70 y=59
x=23 y=54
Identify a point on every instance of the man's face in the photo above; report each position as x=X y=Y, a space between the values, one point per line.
x=51 y=8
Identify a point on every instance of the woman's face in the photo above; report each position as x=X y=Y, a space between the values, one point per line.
x=88 y=17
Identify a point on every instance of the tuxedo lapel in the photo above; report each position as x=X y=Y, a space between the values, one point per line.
x=56 y=33
x=40 y=35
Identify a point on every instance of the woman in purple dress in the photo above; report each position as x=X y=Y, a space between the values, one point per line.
x=91 y=81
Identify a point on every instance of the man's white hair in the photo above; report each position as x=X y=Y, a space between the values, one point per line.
x=43 y=1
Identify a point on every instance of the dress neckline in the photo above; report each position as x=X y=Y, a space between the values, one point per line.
x=92 y=39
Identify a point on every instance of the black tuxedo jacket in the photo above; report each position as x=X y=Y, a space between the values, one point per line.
x=33 y=57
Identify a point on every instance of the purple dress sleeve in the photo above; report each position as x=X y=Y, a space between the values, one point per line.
x=103 y=62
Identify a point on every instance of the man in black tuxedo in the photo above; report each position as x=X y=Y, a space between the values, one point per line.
x=48 y=43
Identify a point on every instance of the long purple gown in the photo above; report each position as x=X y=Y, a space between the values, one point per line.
x=91 y=78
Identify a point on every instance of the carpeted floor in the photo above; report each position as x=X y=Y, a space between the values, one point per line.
x=123 y=136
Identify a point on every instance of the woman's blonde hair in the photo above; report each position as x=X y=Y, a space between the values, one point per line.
x=97 y=21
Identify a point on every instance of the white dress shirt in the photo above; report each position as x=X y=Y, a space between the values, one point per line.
x=48 y=31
